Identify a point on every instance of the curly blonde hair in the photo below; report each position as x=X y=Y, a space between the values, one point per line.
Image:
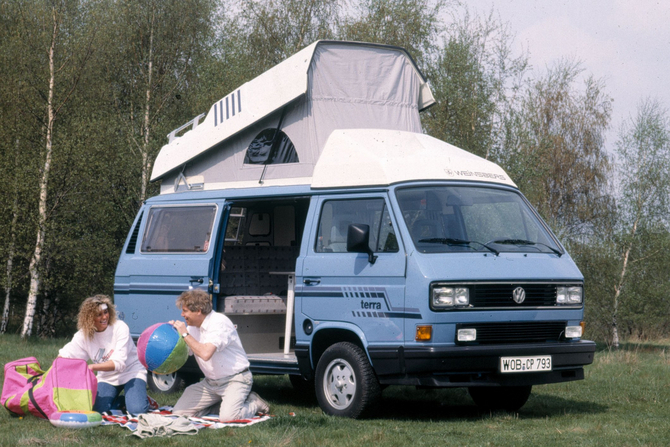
x=90 y=309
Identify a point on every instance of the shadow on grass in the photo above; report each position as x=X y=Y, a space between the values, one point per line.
x=456 y=405
x=411 y=404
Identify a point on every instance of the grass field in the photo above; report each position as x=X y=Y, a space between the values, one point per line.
x=624 y=401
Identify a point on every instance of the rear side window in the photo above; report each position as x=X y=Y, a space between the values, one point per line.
x=337 y=215
x=178 y=229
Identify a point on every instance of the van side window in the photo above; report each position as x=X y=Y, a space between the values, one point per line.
x=178 y=229
x=337 y=215
x=236 y=221
x=271 y=146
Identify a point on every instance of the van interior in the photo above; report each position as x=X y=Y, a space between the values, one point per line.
x=262 y=242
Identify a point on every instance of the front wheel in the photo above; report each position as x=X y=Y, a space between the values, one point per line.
x=346 y=385
x=164 y=383
x=506 y=398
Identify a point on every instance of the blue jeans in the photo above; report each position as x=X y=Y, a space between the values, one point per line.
x=109 y=398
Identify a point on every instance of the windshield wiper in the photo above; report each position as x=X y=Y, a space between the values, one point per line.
x=525 y=242
x=451 y=241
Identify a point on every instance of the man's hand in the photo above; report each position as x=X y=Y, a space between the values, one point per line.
x=180 y=326
x=202 y=350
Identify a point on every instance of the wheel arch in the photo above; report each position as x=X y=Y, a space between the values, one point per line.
x=328 y=335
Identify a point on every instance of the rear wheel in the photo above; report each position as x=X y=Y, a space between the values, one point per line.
x=164 y=383
x=507 y=398
x=346 y=385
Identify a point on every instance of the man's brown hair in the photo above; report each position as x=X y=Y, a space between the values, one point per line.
x=195 y=300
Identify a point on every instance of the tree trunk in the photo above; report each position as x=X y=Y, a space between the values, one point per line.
x=146 y=126
x=10 y=264
x=10 y=249
x=42 y=208
x=619 y=286
x=45 y=326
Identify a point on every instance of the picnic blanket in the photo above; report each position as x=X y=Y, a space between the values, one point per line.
x=116 y=417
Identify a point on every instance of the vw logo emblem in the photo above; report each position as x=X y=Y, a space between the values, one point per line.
x=519 y=295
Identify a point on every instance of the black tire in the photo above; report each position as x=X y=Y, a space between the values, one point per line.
x=164 y=383
x=346 y=384
x=505 y=398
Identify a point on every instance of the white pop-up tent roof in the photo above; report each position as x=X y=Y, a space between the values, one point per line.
x=274 y=130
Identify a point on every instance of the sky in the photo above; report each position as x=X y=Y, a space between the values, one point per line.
x=624 y=42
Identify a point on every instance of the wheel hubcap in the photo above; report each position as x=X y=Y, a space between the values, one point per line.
x=340 y=384
x=164 y=381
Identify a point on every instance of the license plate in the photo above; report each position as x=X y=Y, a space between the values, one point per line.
x=535 y=363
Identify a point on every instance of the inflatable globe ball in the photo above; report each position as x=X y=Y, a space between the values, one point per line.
x=161 y=349
x=75 y=419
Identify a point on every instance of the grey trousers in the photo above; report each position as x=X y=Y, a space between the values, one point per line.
x=228 y=396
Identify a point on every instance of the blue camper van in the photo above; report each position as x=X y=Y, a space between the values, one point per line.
x=351 y=250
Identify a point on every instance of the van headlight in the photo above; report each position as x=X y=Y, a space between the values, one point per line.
x=449 y=297
x=569 y=294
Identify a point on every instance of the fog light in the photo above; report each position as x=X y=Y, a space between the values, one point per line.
x=467 y=334
x=573 y=331
x=424 y=333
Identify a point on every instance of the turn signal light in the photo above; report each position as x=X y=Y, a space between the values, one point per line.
x=424 y=333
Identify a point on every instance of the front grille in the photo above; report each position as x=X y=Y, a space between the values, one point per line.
x=536 y=331
x=500 y=295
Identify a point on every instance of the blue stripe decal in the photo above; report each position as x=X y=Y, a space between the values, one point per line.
x=227 y=112
x=216 y=122
x=221 y=110
x=352 y=292
x=366 y=314
x=239 y=101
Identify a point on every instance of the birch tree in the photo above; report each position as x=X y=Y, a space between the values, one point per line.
x=414 y=25
x=475 y=79
x=556 y=147
x=156 y=46
x=11 y=249
x=643 y=176
x=55 y=54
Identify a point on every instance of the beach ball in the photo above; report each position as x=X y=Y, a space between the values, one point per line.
x=76 y=419
x=161 y=349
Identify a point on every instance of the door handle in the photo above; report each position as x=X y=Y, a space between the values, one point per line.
x=196 y=280
x=311 y=282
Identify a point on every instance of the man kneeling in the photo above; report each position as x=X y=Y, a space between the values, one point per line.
x=213 y=339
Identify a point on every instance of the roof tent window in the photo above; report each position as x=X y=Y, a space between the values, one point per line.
x=178 y=229
x=262 y=151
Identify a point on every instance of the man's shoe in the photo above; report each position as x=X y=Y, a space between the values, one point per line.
x=262 y=407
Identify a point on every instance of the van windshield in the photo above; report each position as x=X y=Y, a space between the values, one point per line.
x=472 y=219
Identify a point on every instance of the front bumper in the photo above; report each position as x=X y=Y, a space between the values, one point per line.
x=456 y=366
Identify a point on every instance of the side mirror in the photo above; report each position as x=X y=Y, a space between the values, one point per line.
x=358 y=241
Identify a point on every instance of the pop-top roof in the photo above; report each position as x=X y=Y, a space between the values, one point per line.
x=260 y=97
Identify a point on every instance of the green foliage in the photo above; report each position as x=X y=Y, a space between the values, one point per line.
x=561 y=130
x=410 y=24
x=474 y=79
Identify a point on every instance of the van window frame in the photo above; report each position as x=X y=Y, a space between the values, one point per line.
x=148 y=226
x=531 y=213
x=386 y=209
